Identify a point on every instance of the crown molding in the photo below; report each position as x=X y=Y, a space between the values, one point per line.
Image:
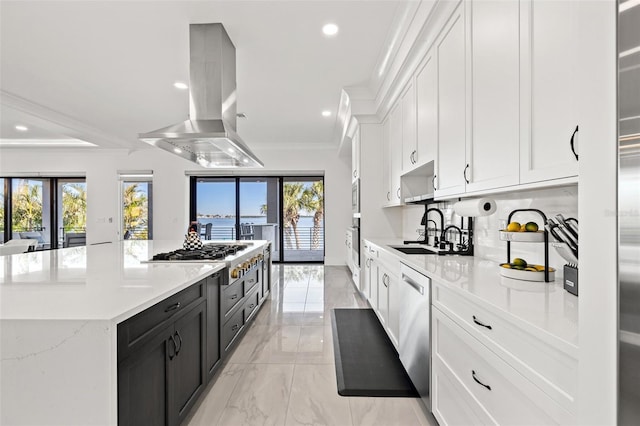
x=46 y=118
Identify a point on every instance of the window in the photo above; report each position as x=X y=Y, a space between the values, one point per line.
x=137 y=212
x=43 y=209
x=287 y=211
x=72 y=212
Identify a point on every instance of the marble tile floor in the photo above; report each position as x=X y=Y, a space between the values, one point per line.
x=282 y=372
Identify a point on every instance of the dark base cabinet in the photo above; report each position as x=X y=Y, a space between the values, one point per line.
x=213 y=290
x=161 y=380
x=168 y=353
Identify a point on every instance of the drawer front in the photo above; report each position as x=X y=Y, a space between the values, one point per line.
x=232 y=295
x=506 y=395
x=134 y=330
x=231 y=328
x=452 y=404
x=251 y=305
x=552 y=370
x=250 y=281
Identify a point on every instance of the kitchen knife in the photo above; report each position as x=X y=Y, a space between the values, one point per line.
x=561 y=220
x=564 y=231
x=562 y=237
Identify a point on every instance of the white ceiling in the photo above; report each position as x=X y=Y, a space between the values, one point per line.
x=104 y=71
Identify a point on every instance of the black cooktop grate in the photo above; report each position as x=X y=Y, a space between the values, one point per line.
x=207 y=252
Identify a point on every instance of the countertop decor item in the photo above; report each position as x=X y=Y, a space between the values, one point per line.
x=517 y=269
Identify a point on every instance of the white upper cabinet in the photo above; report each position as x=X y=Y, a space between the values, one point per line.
x=386 y=163
x=426 y=110
x=493 y=149
x=409 y=147
x=450 y=159
x=395 y=145
x=355 y=155
x=549 y=110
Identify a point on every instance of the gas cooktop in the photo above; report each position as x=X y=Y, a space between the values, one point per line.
x=207 y=252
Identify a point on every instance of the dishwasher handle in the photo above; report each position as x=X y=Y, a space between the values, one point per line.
x=407 y=279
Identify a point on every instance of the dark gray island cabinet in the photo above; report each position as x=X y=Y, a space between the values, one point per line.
x=168 y=353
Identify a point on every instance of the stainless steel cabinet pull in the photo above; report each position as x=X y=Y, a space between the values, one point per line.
x=354 y=173
x=251 y=306
x=465 y=173
x=234 y=296
x=398 y=193
x=179 y=346
x=573 y=149
x=413 y=284
x=481 y=324
x=173 y=307
x=235 y=327
x=473 y=374
x=433 y=181
x=388 y=195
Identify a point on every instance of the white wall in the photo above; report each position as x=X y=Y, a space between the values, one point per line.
x=171 y=186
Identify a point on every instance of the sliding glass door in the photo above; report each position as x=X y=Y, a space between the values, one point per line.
x=72 y=211
x=263 y=208
x=303 y=219
x=259 y=218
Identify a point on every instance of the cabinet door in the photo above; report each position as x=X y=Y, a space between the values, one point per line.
x=393 y=324
x=365 y=280
x=349 y=256
x=143 y=380
x=549 y=102
x=373 y=289
x=355 y=155
x=451 y=162
x=427 y=110
x=386 y=162
x=493 y=154
x=383 y=296
x=213 y=289
x=188 y=371
x=409 y=149
x=395 y=144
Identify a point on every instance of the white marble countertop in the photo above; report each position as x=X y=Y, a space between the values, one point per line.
x=101 y=282
x=544 y=309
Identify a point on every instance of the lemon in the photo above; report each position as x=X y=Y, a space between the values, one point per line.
x=531 y=269
x=539 y=268
x=506 y=265
x=519 y=262
x=531 y=227
x=513 y=227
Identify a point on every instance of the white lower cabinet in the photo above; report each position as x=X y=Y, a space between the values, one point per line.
x=348 y=241
x=383 y=296
x=484 y=381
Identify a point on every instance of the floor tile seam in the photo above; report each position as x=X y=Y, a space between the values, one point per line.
x=286 y=413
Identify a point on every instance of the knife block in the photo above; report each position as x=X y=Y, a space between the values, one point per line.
x=571 y=279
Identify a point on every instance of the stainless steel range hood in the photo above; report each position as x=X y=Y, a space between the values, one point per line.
x=209 y=136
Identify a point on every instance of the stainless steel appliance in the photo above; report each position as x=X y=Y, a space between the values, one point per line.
x=415 y=330
x=628 y=208
x=239 y=257
x=208 y=137
x=355 y=198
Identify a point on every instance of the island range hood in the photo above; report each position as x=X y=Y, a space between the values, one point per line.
x=209 y=136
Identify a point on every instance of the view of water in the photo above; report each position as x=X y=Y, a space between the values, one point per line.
x=304 y=222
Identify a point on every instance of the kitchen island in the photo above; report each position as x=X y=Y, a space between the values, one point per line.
x=59 y=316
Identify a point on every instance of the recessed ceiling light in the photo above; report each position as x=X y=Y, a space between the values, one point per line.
x=330 y=29
x=245 y=160
x=180 y=85
x=326 y=113
x=177 y=150
x=230 y=150
x=21 y=128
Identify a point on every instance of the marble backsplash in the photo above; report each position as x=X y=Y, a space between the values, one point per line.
x=487 y=242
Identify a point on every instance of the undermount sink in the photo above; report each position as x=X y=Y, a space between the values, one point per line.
x=414 y=250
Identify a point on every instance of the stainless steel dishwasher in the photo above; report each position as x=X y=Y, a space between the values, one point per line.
x=415 y=330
